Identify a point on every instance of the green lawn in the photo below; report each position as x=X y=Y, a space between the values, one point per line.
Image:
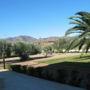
x=70 y=61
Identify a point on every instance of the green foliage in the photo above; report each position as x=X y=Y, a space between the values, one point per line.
x=68 y=61
x=8 y=50
x=61 y=75
x=74 y=78
x=66 y=75
x=5 y=48
x=61 y=45
x=16 y=68
x=82 y=29
x=48 y=50
x=23 y=50
x=35 y=49
x=30 y=71
x=8 y=66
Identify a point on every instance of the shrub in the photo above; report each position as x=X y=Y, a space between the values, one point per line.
x=61 y=75
x=24 y=69
x=30 y=71
x=16 y=68
x=88 y=81
x=74 y=78
x=38 y=72
x=71 y=77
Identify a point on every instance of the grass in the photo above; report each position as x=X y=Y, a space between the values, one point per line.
x=83 y=61
x=68 y=59
x=75 y=61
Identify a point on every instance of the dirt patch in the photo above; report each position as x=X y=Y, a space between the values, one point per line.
x=39 y=57
x=35 y=59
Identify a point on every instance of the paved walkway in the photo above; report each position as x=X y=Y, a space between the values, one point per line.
x=16 y=81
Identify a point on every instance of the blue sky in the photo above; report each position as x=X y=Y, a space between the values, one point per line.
x=38 y=18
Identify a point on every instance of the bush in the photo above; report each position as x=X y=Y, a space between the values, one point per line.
x=16 y=68
x=30 y=71
x=46 y=74
x=61 y=75
x=74 y=78
x=24 y=69
x=88 y=81
x=71 y=77
x=38 y=72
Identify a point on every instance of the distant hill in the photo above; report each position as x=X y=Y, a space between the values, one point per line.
x=21 y=39
x=48 y=39
x=32 y=39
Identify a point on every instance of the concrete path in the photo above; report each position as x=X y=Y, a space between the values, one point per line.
x=16 y=81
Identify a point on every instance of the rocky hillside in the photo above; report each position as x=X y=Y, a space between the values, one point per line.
x=32 y=39
x=22 y=39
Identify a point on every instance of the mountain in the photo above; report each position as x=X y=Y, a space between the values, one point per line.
x=32 y=39
x=48 y=39
x=21 y=39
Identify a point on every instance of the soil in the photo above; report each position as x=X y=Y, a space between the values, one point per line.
x=38 y=57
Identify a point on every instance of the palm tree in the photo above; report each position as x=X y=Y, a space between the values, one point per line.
x=81 y=20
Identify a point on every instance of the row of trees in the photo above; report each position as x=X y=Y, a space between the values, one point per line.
x=60 y=46
x=23 y=50
x=20 y=49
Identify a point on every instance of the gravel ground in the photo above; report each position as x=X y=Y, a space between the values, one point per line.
x=16 y=81
x=40 y=57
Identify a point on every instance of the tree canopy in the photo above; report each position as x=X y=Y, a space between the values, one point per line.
x=81 y=28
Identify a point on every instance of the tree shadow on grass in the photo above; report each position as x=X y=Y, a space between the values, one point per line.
x=41 y=57
x=83 y=57
x=69 y=65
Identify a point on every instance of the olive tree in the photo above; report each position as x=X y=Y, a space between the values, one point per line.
x=5 y=50
x=61 y=45
x=23 y=50
x=35 y=49
x=47 y=50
